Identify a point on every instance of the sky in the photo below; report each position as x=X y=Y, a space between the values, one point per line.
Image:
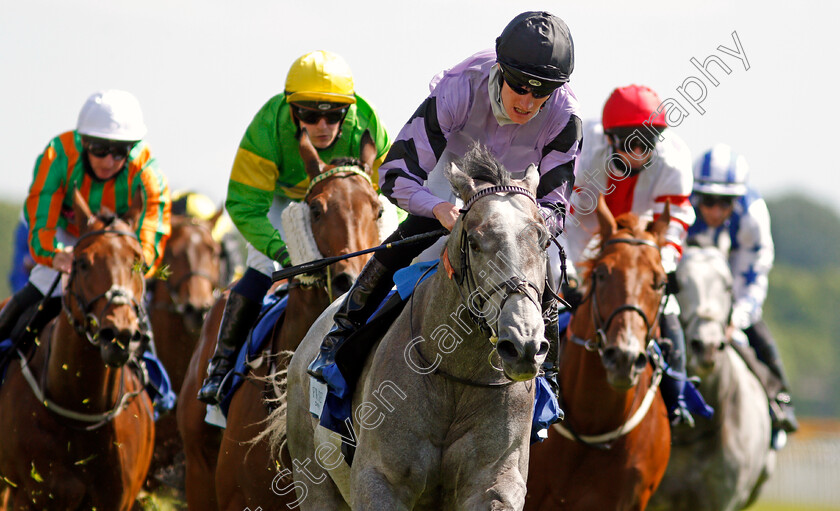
x=202 y=69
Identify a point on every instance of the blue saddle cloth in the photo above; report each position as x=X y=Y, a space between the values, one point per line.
x=273 y=308
x=337 y=412
x=159 y=387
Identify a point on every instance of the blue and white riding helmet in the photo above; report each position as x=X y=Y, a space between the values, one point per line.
x=721 y=171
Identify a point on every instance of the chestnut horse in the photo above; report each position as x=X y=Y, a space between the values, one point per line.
x=612 y=449
x=177 y=307
x=77 y=427
x=343 y=209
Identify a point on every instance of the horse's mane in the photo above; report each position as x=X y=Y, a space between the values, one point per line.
x=480 y=164
x=344 y=161
x=626 y=223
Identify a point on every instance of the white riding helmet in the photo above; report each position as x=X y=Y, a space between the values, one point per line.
x=112 y=115
x=721 y=171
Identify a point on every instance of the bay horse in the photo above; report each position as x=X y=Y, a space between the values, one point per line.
x=722 y=463
x=443 y=406
x=225 y=469
x=178 y=305
x=612 y=448
x=77 y=427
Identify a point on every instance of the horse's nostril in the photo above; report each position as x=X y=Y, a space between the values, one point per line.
x=543 y=348
x=107 y=335
x=697 y=346
x=641 y=361
x=721 y=346
x=506 y=350
x=610 y=355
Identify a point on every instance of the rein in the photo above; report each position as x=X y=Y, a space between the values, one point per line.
x=513 y=285
x=322 y=278
x=604 y=441
x=115 y=295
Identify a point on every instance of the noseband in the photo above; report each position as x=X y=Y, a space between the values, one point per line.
x=601 y=328
x=90 y=326
x=465 y=280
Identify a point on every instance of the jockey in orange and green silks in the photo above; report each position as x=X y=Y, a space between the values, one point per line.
x=61 y=169
x=105 y=159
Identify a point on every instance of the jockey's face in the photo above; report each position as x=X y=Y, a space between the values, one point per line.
x=715 y=212
x=635 y=152
x=322 y=126
x=105 y=167
x=521 y=108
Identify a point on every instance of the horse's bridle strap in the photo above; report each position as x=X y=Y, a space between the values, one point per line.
x=498 y=189
x=352 y=169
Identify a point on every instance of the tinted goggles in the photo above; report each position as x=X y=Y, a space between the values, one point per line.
x=102 y=148
x=309 y=116
x=710 y=201
x=632 y=142
x=520 y=85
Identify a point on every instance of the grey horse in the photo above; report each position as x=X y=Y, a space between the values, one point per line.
x=443 y=408
x=722 y=463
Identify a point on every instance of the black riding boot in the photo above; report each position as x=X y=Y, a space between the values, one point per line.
x=240 y=314
x=20 y=304
x=675 y=379
x=352 y=313
x=778 y=393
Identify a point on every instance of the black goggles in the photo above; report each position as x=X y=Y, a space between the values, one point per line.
x=309 y=116
x=521 y=84
x=102 y=148
x=632 y=142
x=710 y=201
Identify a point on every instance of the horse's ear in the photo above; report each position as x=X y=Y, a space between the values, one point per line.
x=81 y=211
x=659 y=226
x=605 y=219
x=135 y=211
x=531 y=180
x=215 y=218
x=311 y=161
x=367 y=152
x=463 y=184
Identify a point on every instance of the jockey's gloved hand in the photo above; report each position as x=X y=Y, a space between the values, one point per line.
x=282 y=257
x=672 y=286
x=571 y=293
x=681 y=415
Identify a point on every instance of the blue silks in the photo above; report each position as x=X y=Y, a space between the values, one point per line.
x=272 y=310
x=546 y=410
x=159 y=388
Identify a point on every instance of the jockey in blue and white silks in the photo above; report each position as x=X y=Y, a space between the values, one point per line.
x=734 y=218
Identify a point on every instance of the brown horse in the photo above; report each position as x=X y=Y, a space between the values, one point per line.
x=343 y=209
x=612 y=449
x=77 y=428
x=177 y=307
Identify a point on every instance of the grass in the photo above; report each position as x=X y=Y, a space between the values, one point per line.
x=772 y=506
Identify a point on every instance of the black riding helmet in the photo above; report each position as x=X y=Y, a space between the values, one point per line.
x=536 y=49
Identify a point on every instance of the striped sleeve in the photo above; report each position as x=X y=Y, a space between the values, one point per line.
x=154 y=228
x=42 y=208
x=557 y=169
x=674 y=188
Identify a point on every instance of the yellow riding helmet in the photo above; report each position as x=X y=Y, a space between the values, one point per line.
x=320 y=76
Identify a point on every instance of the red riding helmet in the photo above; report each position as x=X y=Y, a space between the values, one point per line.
x=632 y=106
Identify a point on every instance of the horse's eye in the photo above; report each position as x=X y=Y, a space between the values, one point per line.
x=380 y=213
x=82 y=264
x=315 y=212
x=474 y=246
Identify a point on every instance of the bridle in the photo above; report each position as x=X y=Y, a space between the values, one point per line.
x=90 y=326
x=173 y=288
x=601 y=327
x=467 y=286
x=116 y=295
x=323 y=278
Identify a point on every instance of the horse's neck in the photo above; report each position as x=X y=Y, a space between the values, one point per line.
x=77 y=378
x=588 y=398
x=304 y=306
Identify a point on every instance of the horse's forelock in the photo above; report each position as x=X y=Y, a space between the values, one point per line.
x=344 y=161
x=480 y=164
